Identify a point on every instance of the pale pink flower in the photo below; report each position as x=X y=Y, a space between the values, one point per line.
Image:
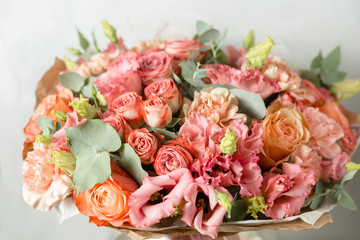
x=216 y=105
x=324 y=133
x=44 y=185
x=336 y=168
x=307 y=158
x=150 y=45
x=200 y=133
x=157 y=197
x=285 y=193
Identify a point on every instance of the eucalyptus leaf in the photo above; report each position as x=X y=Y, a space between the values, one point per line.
x=192 y=73
x=312 y=76
x=87 y=89
x=238 y=211
x=332 y=60
x=72 y=80
x=316 y=62
x=95 y=42
x=211 y=35
x=345 y=200
x=84 y=43
x=221 y=41
x=177 y=79
x=250 y=103
x=46 y=125
x=332 y=77
x=131 y=163
x=202 y=27
x=92 y=167
x=249 y=41
x=167 y=134
x=348 y=176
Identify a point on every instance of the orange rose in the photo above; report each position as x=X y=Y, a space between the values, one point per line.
x=58 y=102
x=107 y=203
x=285 y=129
x=122 y=128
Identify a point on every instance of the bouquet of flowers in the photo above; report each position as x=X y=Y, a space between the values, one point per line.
x=181 y=135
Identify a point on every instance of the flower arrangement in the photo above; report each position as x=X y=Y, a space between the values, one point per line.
x=184 y=133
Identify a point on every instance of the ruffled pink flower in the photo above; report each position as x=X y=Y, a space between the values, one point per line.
x=307 y=158
x=122 y=128
x=154 y=65
x=157 y=197
x=200 y=133
x=324 y=133
x=236 y=57
x=58 y=140
x=250 y=80
x=336 y=168
x=285 y=193
x=112 y=50
x=120 y=78
x=227 y=171
x=202 y=210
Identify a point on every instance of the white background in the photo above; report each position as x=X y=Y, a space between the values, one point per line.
x=33 y=33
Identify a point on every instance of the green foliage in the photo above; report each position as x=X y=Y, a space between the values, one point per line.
x=84 y=43
x=70 y=65
x=249 y=41
x=238 y=210
x=46 y=125
x=72 y=80
x=74 y=51
x=95 y=43
x=84 y=109
x=110 y=31
x=324 y=69
x=166 y=133
x=193 y=74
x=224 y=200
x=91 y=143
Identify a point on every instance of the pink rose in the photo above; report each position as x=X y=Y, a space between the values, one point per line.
x=250 y=79
x=305 y=157
x=157 y=113
x=145 y=144
x=324 y=133
x=285 y=193
x=122 y=128
x=158 y=197
x=335 y=168
x=125 y=63
x=128 y=106
x=182 y=50
x=98 y=64
x=201 y=134
x=202 y=210
x=166 y=89
x=112 y=51
x=43 y=184
x=154 y=65
x=150 y=45
x=171 y=157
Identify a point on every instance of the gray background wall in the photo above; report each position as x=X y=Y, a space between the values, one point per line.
x=33 y=33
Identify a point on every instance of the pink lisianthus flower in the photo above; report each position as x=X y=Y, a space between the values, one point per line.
x=112 y=51
x=227 y=171
x=335 y=168
x=324 y=133
x=58 y=140
x=236 y=57
x=250 y=79
x=202 y=210
x=307 y=158
x=285 y=193
x=158 y=197
x=200 y=133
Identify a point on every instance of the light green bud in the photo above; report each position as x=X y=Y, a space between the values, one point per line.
x=44 y=139
x=109 y=31
x=256 y=204
x=70 y=65
x=228 y=143
x=258 y=54
x=74 y=51
x=65 y=161
x=84 y=109
x=101 y=98
x=224 y=200
x=60 y=115
x=345 y=89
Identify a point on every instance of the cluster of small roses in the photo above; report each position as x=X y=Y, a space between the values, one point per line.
x=275 y=162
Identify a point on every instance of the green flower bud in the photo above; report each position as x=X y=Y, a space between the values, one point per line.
x=44 y=139
x=223 y=200
x=249 y=40
x=228 y=143
x=257 y=55
x=74 y=51
x=65 y=161
x=109 y=31
x=351 y=166
x=60 y=115
x=256 y=204
x=345 y=89
x=70 y=65
x=84 y=109
x=101 y=99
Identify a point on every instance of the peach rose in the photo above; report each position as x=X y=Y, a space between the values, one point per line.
x=216 y=105
x=98 y=64
x=154 y=65
x=44 y=185
x=307 y=158
x=145 y=144
x=285 y=129
x=119 y=124
x=171 y=157
x=335 y=168
x=128 y=106
x=150 y=45
x=58 y=102
x=107 y=203
x=157 y=113
x=181 y=50
x=165 y=88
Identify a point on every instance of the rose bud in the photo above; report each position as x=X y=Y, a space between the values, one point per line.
x=145 y=144
x=122 y=128
x=166 y=89
x=128 y=106
x=170 y=158
x=157 y=113
x=154 y=65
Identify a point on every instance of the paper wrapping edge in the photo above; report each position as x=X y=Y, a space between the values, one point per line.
x=47 y=86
